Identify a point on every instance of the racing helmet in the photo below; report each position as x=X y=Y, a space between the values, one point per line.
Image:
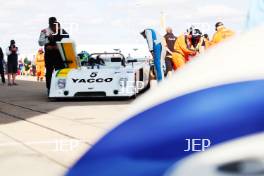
x=84 y=57
x=194 y=31
x=196 y=35
x=190 y=30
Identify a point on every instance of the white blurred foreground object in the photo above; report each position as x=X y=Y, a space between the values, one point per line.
x=240 y=157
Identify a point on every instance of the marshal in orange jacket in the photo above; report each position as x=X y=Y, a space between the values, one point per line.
x=40 y=64
x=183 y=51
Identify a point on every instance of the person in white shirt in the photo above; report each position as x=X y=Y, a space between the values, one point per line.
x=49 y=38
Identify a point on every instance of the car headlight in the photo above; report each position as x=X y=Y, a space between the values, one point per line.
x=61 y=83
x=123 y=82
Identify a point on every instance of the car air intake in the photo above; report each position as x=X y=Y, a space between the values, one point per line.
x=90 y=94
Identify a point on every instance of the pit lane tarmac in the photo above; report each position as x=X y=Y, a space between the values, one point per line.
x=40 y=137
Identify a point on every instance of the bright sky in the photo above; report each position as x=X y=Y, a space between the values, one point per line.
x=112 y=22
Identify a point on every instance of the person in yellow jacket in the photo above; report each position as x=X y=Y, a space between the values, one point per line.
x=40 y=65
x=186 y=46
x=222 y=33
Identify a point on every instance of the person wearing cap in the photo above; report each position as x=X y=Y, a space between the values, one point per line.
x=49 y=38
x=222 y=33
x=184 y=48
x=2 y=71
x=40 y=64
x=157 y=48
x=170 y=40
x=12 y=62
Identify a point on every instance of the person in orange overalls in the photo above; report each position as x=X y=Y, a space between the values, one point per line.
x=207 y=42
x=222 y=33
x=185 y=46
x=40 y=65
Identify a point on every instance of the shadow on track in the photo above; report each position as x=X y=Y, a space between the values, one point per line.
x=29 y=99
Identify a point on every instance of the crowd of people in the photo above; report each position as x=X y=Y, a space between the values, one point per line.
x=23 y=67
x=177 y=51
x=45 y=62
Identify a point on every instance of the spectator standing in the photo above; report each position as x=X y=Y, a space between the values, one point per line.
x=12 y=53
x=40 y=64
x=170 y=39
x=49 y=38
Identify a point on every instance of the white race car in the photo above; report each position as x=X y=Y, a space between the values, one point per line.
x=104 y=75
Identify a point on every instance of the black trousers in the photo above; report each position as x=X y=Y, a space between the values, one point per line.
x=53 y=61
x=169 y=65
x=2 y=71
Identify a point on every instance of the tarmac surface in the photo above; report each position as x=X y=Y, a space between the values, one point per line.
x=43 y=138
